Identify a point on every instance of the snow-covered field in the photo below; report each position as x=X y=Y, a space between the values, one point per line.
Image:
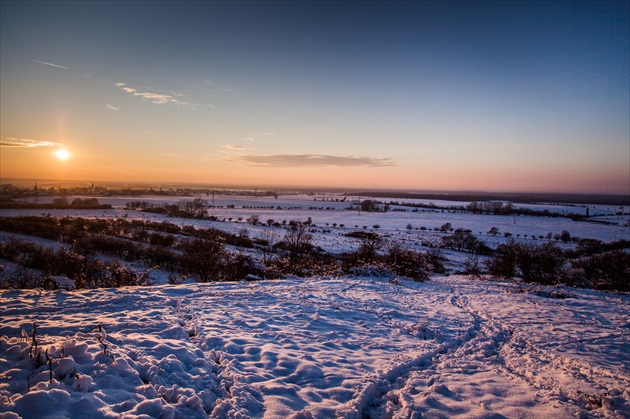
x=321 y=347
x=337 y=201
x=332 y=215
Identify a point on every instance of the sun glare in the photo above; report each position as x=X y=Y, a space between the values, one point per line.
x=62 y=154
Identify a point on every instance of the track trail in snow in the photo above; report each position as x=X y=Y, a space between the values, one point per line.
x=386 y=396
x=334 y=347
x=491 y=346
x=478 y=350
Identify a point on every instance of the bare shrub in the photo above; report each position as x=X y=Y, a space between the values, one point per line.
x=23 y=278
x=542 y=264
x=239 y=266
x=122 y=248
x=70 y=264
x=121 y=276
x=307 y=265
x=437 y=259
x=297 y=241
x=27 y=254
x=504 y=262
x=460 y=240
x=371 y=244
x=267 y=240
x=472 y=267
x=162 y=257
x=165 y=240
x=607 y=271
x=204 y=256
x=406 y=262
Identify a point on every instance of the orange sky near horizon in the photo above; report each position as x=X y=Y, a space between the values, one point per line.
x=43 y=163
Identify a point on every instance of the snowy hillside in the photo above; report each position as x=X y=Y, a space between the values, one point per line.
x=325 y=347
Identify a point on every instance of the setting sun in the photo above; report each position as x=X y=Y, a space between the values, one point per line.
x=62 y=154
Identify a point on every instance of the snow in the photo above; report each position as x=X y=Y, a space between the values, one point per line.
x=318 y=347
x=392 y=225
x=351 y=347
x=324 y=213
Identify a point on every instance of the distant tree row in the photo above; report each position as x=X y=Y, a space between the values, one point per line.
x=491 y=207
x=494 y=207
x=56 y=203
x=195 y=208
x=16 y=191
x=368 y=205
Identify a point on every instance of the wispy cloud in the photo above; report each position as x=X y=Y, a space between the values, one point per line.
x=256 y=135
x=26 y=143
x=51 y=64
x=211 y=85
x=112 y=107
x=247 y=144
x=157 y=98
x=237 y=147
x=312 y=160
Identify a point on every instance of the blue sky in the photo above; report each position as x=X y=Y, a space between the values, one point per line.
x=519 y=96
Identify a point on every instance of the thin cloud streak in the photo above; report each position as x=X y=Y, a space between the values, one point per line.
x=112 y=107
x=51 y=64
x=312 y=160
x=157 y=98
x=26 y=143
x=237 y=147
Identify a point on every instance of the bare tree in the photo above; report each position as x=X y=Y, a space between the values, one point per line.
x=297 y=240
x=461 y=240
x=371 y=243
x=196 y=208
x=446 y=227
x=204 y=256
x=268 y=238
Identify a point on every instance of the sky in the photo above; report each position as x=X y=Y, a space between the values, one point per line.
x=483 y=96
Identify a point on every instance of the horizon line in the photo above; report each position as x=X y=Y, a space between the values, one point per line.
x=364 y=190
